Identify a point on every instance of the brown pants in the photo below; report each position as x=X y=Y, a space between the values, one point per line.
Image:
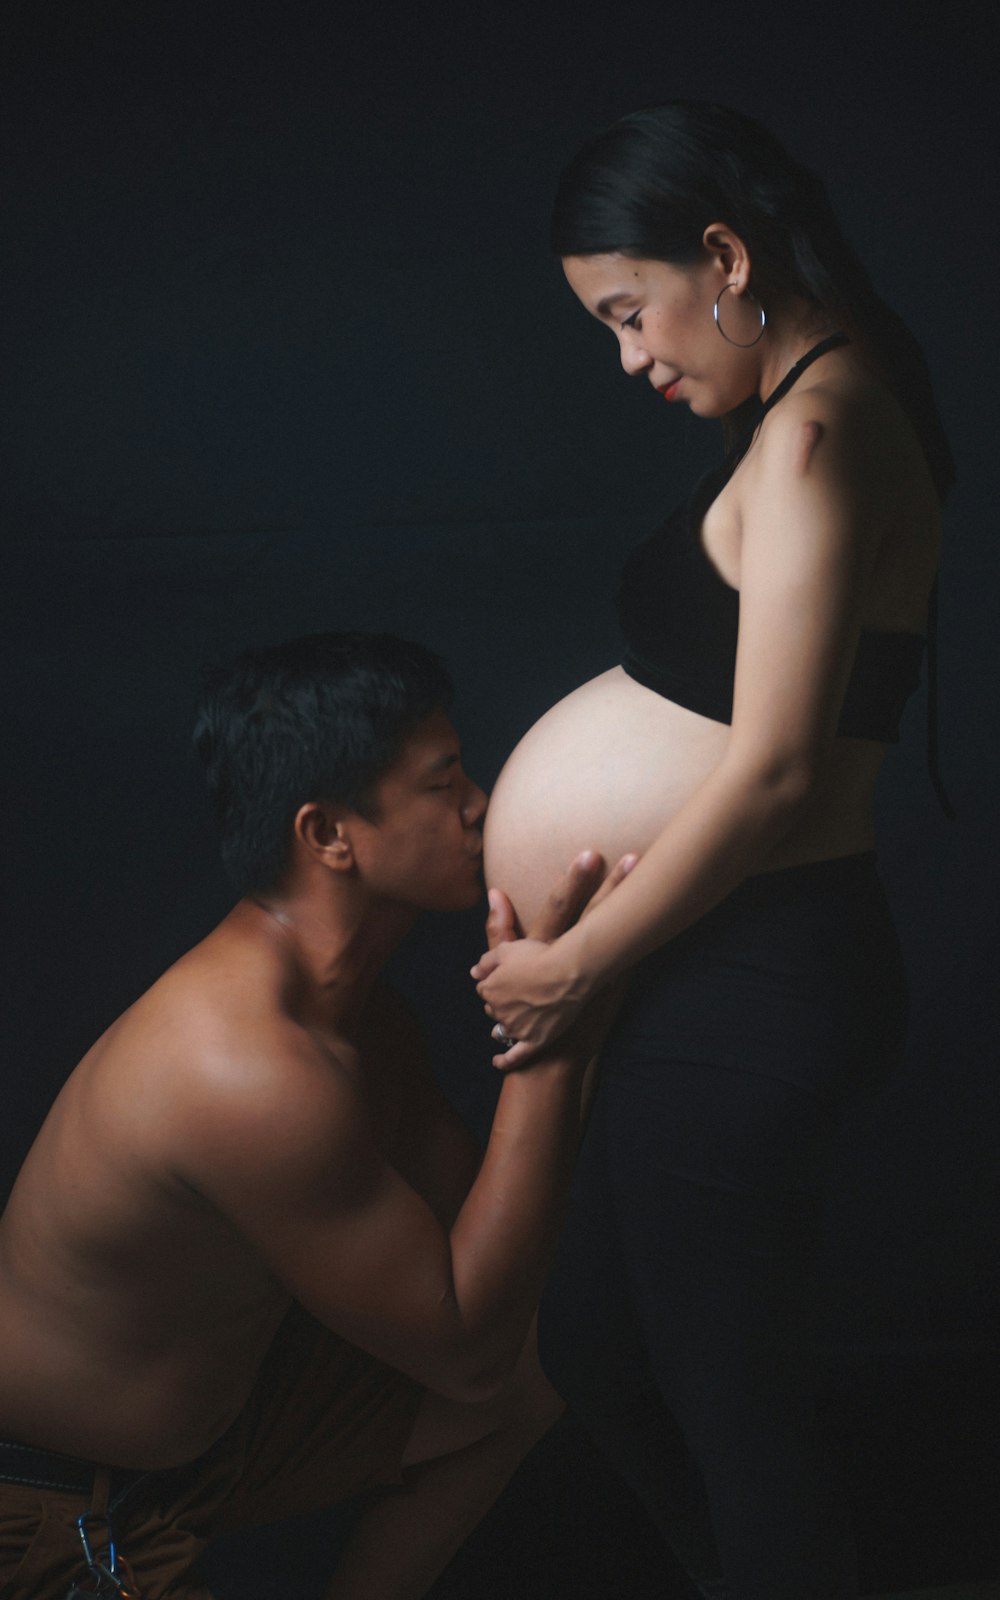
x=324 y=1422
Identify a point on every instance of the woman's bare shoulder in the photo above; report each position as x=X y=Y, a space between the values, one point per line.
x=848 y=433
x=841 y=454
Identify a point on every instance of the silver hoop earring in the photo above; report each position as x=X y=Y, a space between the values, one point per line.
x=740 y=345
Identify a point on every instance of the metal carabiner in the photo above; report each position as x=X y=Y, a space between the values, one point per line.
x=109 y=1584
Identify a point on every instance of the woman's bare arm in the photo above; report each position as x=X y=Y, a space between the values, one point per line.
x=809 y=540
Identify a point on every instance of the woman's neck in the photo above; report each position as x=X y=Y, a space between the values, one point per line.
x=792 y=331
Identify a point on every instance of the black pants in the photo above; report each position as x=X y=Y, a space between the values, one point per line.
x=680 y=1307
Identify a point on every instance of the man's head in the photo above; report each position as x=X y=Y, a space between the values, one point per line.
x=324 y=726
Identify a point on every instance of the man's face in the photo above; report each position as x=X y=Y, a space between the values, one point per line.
x=423 y=848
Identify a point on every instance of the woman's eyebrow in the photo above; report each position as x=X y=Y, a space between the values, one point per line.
x=604 y=306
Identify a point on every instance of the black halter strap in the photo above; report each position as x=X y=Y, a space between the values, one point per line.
x=833 y=341
x=737 y=451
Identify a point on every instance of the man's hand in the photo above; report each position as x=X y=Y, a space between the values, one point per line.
x=562 y=908
x=575 y=894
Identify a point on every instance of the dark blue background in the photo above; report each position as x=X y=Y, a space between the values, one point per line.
x=283 y=349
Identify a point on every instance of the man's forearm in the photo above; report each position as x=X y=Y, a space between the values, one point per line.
x=504 y=1236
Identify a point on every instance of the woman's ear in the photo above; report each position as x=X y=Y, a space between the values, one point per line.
x=729 y=253
x=320 y=829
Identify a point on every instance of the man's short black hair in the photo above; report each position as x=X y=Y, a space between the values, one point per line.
x=317 y=718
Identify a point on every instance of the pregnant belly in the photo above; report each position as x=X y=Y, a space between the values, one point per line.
x=605 y=770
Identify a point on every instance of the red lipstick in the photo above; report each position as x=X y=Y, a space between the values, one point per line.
x=669 y=390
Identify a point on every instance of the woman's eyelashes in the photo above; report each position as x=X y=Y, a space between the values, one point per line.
x=633 y=322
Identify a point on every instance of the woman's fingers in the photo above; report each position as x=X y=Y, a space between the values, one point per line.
x=572 y=896
x=486 y=964
x=575 y=893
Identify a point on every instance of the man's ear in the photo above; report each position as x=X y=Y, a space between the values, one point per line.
x=321 y=830
x=730 y=254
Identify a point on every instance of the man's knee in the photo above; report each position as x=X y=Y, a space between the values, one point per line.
x=533 y=1400
x=522 y=1411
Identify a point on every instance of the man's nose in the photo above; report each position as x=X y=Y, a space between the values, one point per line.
x=474 y=809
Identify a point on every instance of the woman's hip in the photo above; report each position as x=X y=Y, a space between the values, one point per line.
x=796 y=977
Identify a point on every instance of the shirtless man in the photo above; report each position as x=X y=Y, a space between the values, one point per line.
x=253 y=1263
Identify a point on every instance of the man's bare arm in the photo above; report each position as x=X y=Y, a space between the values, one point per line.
x=428 y=1143
x=290 y=1157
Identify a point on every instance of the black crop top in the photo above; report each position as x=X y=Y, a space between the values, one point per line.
x=680 y=618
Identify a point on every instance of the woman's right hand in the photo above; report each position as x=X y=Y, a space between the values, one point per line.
x=573 y=897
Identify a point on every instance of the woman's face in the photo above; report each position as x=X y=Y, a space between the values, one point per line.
x=662 y=316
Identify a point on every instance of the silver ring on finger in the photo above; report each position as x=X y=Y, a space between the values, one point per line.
x=500 y=1034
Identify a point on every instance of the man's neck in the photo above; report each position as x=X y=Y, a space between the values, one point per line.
x=333 y=949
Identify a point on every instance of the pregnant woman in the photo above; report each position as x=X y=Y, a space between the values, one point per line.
x=774 y=630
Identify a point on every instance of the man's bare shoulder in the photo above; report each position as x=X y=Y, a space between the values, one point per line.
x=214 y=1058
x=273 y=1095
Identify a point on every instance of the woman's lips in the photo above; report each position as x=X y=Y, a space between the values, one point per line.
x=669 y=390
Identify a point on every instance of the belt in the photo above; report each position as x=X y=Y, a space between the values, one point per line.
x=47 y=1469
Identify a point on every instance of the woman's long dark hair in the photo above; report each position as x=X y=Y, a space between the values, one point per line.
x=652 y=183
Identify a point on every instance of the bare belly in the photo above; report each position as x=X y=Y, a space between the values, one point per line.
x=147 y=1409
x=606 y=769
x=135 y=1353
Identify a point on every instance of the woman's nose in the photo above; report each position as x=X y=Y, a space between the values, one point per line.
x=634 y=357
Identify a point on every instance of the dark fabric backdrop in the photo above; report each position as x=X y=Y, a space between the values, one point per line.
x=283 y=349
